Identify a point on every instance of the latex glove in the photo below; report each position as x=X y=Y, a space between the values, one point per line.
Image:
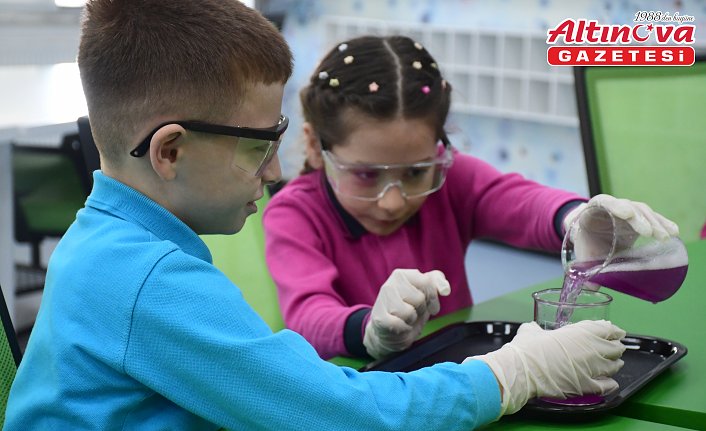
x=403 y=306
x=575 y=359
x=637 y=216
x=594 y=232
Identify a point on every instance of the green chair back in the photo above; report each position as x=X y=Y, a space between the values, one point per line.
x=50 y=185
x=9 y=356
x=643 y=132
x=241 y=257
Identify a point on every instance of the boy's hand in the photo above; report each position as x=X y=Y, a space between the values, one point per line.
x=402 y=307
x=573 y=360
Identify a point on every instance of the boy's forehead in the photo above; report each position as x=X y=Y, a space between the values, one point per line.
x=260 y=107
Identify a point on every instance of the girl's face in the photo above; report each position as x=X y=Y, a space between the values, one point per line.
x=374 y=142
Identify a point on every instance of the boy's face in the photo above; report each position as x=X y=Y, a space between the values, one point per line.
x=373 y=142
x=214 y=195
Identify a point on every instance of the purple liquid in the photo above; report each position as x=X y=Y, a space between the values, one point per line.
x=581 y=400
x=654 y=285
x=573 y=282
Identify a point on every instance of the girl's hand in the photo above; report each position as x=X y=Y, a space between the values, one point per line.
x=403 y=306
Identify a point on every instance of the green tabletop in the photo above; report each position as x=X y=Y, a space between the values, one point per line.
x=600 y=423
x=678 y=396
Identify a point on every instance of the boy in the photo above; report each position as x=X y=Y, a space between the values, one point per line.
x=138 y=330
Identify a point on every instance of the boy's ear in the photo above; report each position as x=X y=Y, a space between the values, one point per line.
x=313 y=147
x=165 y=149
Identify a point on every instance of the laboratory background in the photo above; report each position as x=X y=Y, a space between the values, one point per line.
x=510 y=108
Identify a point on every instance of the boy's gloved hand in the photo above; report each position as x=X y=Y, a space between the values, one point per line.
x=403 y=306
x=572 y=360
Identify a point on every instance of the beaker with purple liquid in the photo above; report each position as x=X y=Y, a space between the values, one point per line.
x=602 y=250
x=587 y=305
x=551 y=312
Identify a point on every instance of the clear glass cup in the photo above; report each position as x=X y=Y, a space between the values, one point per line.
x=600 y=249
x=550 y=312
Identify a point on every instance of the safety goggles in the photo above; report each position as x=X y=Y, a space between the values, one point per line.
x=254 y=149
x=371 y=182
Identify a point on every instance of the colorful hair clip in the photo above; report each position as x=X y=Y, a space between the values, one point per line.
x=373 y=87
x=323 y=75
x=426 y=89
x=333 y=82
x=417 y=65
x=342 y=47
x=348 y=59
x=418 y=46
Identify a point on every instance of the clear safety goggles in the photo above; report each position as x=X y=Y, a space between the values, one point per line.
x=254 y=149
x=371 y=182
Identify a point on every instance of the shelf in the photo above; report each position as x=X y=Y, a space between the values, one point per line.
x=495 y=73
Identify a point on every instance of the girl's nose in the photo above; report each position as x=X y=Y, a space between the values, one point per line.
x=392 y=199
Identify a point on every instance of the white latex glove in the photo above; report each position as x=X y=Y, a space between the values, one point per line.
x=403 y=306
x=632 y=215
x=575 y=359
x=593 y=234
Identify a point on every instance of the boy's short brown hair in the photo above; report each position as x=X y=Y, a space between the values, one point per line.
x=190 y=59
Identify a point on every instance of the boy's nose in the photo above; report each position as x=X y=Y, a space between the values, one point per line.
x=272 y=172
x=392 y=199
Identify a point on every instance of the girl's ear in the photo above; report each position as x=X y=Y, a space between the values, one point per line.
x=313 y=147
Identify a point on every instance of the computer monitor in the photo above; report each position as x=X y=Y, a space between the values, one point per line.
x=644 y=137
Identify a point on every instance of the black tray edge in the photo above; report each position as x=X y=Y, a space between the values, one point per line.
x=534 y=407
x=422 y=341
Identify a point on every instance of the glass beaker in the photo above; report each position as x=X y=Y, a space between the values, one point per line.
x=588 y=305
x=604 y=250
x=551 y=313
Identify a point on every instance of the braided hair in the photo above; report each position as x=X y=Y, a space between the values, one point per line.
x=382 y=77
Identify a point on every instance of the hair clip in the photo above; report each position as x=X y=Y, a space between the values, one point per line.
x=323 y=75
x=417 y=65
x=434 y=65
x=342 y=47
x=426 y=89
x=418 y=46
x=443 y=84
x=348 y=59
x=373 y=87
x=333 y=82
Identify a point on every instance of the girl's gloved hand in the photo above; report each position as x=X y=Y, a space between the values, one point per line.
x=636 y=216
x=573 y=360
x=403 y=306
x=592 y=227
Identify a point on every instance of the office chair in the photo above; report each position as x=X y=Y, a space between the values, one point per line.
x=644 y=137
x=49 y=187
x=241 y=257
x=10 y=356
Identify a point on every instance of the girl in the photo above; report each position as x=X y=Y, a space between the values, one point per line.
x=370 y=241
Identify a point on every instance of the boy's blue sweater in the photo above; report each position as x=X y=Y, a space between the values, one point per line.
x=138 y=330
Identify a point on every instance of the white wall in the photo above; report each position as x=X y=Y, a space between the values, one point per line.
x=37 y=32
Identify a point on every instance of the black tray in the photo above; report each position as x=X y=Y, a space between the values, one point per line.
x=645 y=358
